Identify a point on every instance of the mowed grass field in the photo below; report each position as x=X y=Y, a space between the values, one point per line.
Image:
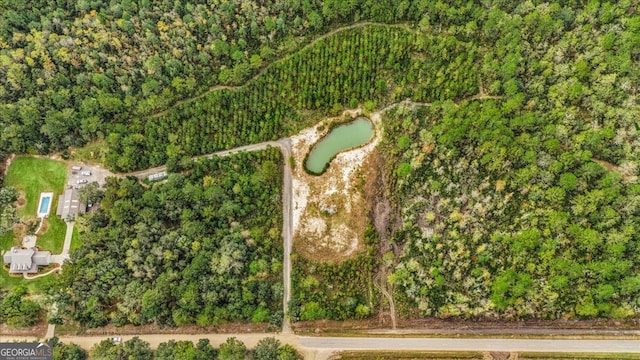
x=35 y=286
x=53 y=238
x=33 y=176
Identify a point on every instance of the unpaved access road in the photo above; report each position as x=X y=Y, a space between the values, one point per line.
x=252 y=147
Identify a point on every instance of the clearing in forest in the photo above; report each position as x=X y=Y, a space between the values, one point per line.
x=329 y=216
x=32 y=176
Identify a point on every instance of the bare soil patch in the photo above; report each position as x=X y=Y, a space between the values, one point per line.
x=626 y=171
x=4 y=167
x=374 y=190
x=44 y=228
x=329 y=211
x=19 y=231
x=37 y=330
x=21 y=199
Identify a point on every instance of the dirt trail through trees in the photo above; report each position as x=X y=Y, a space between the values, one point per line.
x=264 y=69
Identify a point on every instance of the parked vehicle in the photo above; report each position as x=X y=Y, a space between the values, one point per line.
x=76 y=167
x=116 y=339
x=86 y=173
x=82 y=181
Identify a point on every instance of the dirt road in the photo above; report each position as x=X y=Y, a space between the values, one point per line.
x=141 y=174
x=287 y=231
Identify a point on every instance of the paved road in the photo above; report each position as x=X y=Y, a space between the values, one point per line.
x=448 y=344
x=323 y=347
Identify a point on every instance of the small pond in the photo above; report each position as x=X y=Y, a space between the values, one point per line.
x=343 y=137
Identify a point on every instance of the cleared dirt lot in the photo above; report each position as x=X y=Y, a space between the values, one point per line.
x=329 y=215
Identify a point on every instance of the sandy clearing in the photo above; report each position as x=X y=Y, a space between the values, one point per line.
x=337 y=233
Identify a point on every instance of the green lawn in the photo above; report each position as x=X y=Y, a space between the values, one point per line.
x=75 y=238
x=7 y=282
x=7 y=240
x=33 y=176
x=35 y=286
x=53 y=239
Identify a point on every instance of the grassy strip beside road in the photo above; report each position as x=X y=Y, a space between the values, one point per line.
x=554 y=334
x=394 y=355
x=575 y=356
x=75 y=238
x=440 y=355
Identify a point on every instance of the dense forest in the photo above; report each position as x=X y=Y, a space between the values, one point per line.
x=18 y=308
x=76 y=72
x=527 y=206
x=367 y=64
x=203 y=247
x=515 y=192
x=500 y=216
x=337 y=291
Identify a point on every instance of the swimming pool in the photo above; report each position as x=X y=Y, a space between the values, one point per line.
x=45 y=204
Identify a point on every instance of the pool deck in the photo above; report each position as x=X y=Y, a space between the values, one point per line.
x=42 y=214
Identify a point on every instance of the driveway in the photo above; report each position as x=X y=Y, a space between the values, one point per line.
x=98 y=174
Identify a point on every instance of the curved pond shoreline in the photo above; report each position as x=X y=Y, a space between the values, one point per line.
x=343 y=137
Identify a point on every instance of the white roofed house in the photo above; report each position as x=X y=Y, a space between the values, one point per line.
x=26 y=261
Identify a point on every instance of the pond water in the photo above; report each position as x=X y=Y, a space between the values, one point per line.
x=343 y=137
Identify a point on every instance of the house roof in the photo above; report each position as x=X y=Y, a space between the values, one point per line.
x=26 y=260
x=41 y=258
